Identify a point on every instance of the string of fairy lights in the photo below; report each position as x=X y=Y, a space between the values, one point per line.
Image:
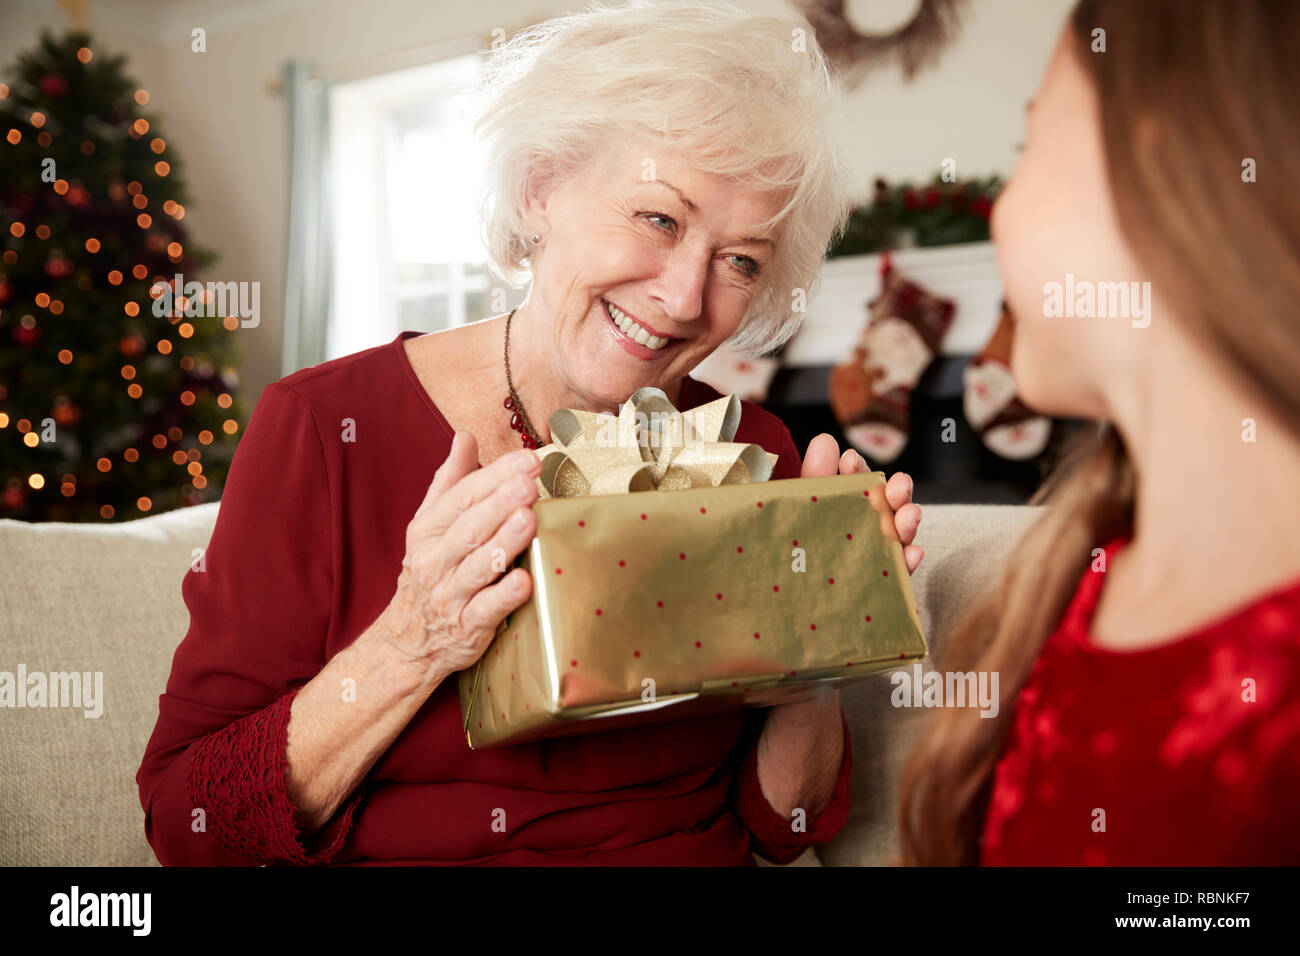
x=133 y=347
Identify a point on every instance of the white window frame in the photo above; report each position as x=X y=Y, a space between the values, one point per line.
x=364 y=115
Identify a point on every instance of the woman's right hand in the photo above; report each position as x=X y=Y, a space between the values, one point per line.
x=451 y=595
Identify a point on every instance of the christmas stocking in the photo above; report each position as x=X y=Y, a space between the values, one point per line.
x=1004 y=423
x=871 y=393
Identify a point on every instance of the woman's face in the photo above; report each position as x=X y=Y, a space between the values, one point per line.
x=642 y=237
x=1055 y=219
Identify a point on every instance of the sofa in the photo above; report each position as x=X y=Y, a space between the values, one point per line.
x=107 y=598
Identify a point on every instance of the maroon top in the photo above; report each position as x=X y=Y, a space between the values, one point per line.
x=1182 y=754
x=305 y=554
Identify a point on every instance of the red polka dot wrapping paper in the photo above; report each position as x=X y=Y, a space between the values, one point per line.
x=668 y=605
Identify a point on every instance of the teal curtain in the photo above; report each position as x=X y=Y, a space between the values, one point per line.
x=309 y=260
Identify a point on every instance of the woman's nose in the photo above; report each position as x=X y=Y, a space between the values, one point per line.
x=679 y=287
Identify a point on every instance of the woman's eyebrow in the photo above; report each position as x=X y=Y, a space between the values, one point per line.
x=680 y=195
x=694 y=208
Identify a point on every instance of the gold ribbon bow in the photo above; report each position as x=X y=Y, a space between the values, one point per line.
x=648 y=446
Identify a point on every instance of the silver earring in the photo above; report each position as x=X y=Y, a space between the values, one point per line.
x=536 y=238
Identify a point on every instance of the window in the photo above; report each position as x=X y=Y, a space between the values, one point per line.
x=404 y=188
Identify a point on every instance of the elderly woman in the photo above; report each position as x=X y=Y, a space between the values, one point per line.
x=665 y=177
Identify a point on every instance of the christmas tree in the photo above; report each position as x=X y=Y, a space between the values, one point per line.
x=110 y=406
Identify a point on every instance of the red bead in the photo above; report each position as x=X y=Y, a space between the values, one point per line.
x=516 y=422
x=509 y=402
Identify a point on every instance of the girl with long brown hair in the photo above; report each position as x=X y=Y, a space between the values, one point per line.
x=1147 y=633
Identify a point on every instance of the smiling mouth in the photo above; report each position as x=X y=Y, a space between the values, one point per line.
x=637 y=333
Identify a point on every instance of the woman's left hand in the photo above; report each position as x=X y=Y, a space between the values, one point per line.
x=823 y=458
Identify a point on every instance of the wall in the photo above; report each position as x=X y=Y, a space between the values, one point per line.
x=217 y=111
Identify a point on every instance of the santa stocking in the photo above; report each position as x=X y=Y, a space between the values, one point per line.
x=871 y=393
x=1006 y=425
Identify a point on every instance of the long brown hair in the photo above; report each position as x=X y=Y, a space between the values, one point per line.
x=1188 y=91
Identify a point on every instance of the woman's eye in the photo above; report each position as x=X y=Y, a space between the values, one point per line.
x=671 y=223
x=747 y=267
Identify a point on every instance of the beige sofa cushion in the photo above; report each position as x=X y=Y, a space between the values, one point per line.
x=107 y=598
x=966 y=547
x=88 y=598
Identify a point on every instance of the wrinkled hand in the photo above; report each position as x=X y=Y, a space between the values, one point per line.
x=821 y=461
x=457 y=582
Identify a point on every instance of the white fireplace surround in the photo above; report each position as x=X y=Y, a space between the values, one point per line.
x=837 y=312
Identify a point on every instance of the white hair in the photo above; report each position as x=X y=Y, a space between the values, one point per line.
x=744 y=96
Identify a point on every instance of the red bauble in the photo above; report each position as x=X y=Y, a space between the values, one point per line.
x=59 y=266
x=27 y=337
x=77 y=195
x=55 y=86
x=6 y=291
x=982 y=207
x=66 y=414
x=131 y=345
x=14 y=498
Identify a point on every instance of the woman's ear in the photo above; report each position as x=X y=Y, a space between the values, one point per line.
x=539 y=185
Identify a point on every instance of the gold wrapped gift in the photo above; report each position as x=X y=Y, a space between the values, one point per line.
x=714 y=589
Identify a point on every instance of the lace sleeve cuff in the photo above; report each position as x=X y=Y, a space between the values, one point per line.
x=237 y=777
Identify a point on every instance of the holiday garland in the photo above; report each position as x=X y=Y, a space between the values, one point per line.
x=940 y=213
